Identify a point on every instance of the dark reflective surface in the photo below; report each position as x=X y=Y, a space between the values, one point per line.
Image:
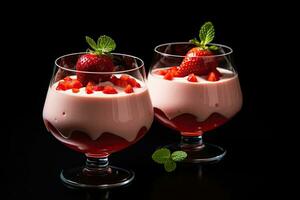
x=258 y=163
x=246 y=171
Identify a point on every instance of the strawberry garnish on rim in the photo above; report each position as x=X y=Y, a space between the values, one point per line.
x=200 y=59
x=98 y=59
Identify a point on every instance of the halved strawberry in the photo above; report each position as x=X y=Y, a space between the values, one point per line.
x=192 y=78
x=200 y=60
x=197 y=62
x=109 y=90
x=213 y=76
x=128 y=89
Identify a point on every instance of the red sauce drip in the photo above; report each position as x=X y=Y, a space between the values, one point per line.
x=188 y=125
x=106 y=144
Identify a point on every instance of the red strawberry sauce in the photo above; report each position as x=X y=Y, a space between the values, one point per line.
x=106 y=144
x=188 y=125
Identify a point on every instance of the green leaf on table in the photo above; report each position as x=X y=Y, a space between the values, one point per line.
x=170 y=165
x=161 y=155
x=178 y=156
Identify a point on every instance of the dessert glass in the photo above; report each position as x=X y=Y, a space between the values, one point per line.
x=98 y=124
x=193 y=108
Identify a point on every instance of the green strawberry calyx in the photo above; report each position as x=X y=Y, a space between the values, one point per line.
x=206 y=35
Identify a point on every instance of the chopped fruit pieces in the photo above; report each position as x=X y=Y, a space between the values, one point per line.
x=172 y=71
x=109 y=90
x=76 y=84
x=133 y=83
x=168 y=76
x=68 y=78
x=75 y=90
x=128 y=89
x=192 y=78
x=89 y=88
x=68 y=83
x=98 y=88
x=124 y=80
x=162 y=72
x=124 y=77
x=217 y=72
x=213 y=76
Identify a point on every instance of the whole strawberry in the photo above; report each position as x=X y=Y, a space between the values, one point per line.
x=200 y=60
x=96 y=60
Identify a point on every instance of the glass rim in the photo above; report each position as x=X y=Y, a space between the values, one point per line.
x=90 y=72
x=182 y=56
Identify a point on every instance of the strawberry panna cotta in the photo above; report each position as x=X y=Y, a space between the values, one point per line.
x=198 y=61
x=98 y=60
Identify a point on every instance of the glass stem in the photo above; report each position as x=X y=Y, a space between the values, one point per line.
x=188 y=142
x=96 y=166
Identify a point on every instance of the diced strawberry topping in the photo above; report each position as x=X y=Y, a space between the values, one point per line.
x=162 y=72
x=61 y=86
x=69 y=83
x=89 y=88
x=128 y=89
x=109 y=90
x=169 y=76
x=217 y=72
x=75 y=90
x=124 y=77
x=68 y=78
x=113 y=79
x=192 y=78
x=98 y=88
x=213 y=76
x=124 y=80
x=76 y=84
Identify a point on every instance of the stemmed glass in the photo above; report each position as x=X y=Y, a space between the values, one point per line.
x=97 y=123
x=193 y=108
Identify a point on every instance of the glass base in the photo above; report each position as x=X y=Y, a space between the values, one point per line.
x=78 y=178
x=197 y=151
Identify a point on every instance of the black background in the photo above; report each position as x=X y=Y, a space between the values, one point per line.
x=255 y=164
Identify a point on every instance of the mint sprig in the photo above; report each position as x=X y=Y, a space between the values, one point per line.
x=104 y=45
x=206 y=35
x=168 y=159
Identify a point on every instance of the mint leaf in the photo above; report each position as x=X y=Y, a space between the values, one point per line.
x=170 y=165
x=178 y=156
x=213 y=48
x=161 y=155
x=105 y=44
x=195 y=42
x=91 y=42
x=206 y=33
